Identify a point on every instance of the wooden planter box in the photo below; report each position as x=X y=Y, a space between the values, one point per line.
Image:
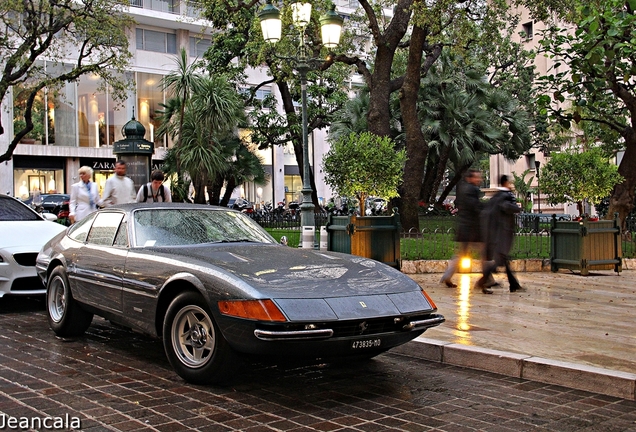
x=375 y=237
x=585 y=245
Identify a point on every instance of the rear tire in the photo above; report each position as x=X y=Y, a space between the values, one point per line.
x=194 y=345
x=66 y=316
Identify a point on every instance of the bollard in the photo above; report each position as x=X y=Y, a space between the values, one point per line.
x=323 y=238
x=307 y=237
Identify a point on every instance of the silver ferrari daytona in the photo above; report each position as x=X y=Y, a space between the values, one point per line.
x=214 y=285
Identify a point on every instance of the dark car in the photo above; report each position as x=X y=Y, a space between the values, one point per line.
x=51 y=203
x=212 y=283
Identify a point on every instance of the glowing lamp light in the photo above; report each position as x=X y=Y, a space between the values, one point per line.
x=269 y=16
x=465 y=263
x=331 y=27
x=301 y=13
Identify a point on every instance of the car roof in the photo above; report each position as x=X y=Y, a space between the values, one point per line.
x=169 y=205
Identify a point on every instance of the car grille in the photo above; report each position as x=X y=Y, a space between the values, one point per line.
x=353 y=327
x=27 y=284
x=26 y=259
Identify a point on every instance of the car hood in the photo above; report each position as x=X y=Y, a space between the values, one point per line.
x=279 y=271
x=314 y=285
x=28 y=235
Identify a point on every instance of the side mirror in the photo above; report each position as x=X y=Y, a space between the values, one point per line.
x=283 y=240
x=49 y=216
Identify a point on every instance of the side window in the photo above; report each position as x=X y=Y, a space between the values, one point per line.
x=104 y=228
x=79 y=231
x=121 y=239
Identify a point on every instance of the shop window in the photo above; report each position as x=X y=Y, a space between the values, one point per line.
x=38 y=115
x=91 y=112
x=27 y=181
x=62 y=112
x=293 y=188
x=100 y=118
x=150 y=97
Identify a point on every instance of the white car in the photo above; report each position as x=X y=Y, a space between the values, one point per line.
x=23 y=232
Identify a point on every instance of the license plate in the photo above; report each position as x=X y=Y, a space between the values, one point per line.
x=367 y=343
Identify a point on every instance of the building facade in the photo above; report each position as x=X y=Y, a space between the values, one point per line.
x=78 y=124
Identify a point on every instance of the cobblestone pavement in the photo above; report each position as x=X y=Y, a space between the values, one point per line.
x=113 y=379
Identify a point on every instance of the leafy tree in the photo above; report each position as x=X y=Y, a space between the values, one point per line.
x=577 y=177
x=403 y=47
x=598 y=82
x=463 y=117
x=33 y=30
x=364 y=165
x=238 y=44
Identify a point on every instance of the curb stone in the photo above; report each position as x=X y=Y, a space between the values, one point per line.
x=571 y=375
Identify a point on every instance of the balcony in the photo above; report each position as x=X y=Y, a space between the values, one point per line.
x=168 y=6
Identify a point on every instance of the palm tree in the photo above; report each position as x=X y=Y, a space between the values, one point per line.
x=212 y=110
x=464 y=117
x=181 y=82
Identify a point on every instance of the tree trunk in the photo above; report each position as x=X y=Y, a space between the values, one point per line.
x=622 y=198
x=199 y=190
x=439 y=174
x=427 y=183
x=214 y=190
x=229 y=188
x=379 y=114
x=416 y=149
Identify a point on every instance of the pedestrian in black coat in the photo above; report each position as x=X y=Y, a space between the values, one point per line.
x=498 y=228
x=468 y=231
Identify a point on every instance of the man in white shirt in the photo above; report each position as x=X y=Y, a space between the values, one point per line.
x=119 y=189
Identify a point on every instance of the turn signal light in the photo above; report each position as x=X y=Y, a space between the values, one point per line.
x=430 y=300
x=261 y=310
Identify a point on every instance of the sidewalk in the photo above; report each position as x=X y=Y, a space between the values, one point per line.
x=566 y=329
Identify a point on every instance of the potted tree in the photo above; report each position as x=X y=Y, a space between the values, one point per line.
x=363 y=165
x=584 y=244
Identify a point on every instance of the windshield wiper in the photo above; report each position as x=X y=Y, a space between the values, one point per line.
x=235 y=241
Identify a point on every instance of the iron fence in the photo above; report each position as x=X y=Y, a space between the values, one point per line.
x=436 y=238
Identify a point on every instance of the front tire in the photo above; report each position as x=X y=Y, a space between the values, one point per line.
x=195 y=347
x=66 y=316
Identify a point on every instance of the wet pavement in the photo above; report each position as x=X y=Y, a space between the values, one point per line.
x=587 y=320
x=115 y=380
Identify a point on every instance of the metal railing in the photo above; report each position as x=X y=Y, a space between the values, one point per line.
x=436 y=238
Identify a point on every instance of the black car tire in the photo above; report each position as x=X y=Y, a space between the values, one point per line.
x=194 y=345
x=66 y=316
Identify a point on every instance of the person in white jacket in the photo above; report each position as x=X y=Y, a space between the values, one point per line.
x=84 y=196
x=118 y=189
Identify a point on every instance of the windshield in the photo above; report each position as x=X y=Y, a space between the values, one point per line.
x=13 y=210
x=178 y=227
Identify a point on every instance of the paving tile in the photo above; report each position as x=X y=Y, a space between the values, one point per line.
x=397 y=391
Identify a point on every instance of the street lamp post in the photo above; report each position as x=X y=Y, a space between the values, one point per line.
x=331 y=25
x=537 y=164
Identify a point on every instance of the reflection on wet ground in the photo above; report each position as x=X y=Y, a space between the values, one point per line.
x=562 y=316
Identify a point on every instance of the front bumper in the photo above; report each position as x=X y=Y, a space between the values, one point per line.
x=326 y=340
